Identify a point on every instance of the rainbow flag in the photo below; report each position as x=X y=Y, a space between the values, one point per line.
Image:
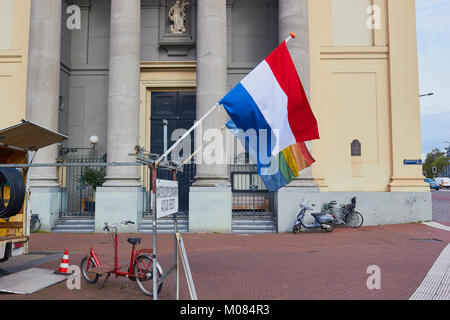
x=271 y=116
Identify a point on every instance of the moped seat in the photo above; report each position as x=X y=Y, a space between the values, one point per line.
x=318 y=214
x=134 y=241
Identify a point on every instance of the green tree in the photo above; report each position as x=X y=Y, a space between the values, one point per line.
x=93 y=177
x=436 y=158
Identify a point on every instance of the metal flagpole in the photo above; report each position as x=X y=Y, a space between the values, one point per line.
x=175 y=231
x=154 y=167
x=291 y=36
x=155 y=270
x=196 y=124
x=198 y=150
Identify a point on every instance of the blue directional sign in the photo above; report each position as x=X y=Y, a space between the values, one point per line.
x=413 y=162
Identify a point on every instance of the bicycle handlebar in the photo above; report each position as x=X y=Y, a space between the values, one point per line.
x=108 y=228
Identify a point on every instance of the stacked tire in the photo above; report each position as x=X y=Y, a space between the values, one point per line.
x=10 y=206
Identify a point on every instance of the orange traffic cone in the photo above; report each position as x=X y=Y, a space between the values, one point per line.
x=64 y=266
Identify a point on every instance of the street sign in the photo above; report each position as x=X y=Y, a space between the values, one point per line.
x=417 y=162
x=166 y=197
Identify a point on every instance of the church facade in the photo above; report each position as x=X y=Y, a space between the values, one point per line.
x=119 y=70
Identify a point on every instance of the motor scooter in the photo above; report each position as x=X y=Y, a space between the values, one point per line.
x=323 y=220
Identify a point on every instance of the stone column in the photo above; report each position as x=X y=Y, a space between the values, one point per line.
x=210 y=197
x=121 y=194
x=44 y=66
x=123 y=99
x=43 y=84
x=293 y=17
x=211 y=82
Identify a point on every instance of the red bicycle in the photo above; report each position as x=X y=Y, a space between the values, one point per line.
x=140 y=268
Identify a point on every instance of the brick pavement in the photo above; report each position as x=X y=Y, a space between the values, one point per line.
x=311 y=265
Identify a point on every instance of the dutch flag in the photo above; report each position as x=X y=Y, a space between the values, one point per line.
x=271 y=102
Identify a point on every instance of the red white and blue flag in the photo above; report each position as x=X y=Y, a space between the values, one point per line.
x=271 y=100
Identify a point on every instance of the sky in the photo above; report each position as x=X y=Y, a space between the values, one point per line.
x=433 y=39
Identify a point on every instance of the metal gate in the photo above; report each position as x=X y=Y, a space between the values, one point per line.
x=249 y=194
x=78 y=196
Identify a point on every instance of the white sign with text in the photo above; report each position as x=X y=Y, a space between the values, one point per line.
x=166 y=197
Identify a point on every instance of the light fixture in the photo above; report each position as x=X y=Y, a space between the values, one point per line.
x=92 y=139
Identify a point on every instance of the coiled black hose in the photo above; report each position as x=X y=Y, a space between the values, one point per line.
x=10 y=177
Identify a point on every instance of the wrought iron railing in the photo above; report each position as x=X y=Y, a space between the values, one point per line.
x=250 y=195
x=78 y=197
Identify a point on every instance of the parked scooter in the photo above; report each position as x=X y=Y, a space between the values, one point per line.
x=322 y=220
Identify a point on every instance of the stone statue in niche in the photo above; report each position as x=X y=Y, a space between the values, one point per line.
x=177 y=15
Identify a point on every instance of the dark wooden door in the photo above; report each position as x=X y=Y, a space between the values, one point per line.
x=179 y=109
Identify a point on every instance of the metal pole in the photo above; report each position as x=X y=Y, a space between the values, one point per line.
x=196 y=124
x=27 y=199
x=291 y=36
x=165 y=123
x=177 y=271
x=155 y=270
x=198 y=150
x=175 y=247
x=70 y=164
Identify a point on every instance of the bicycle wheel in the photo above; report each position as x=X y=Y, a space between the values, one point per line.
x=354 y=219
x=90 y=277
x=143 y=272
x=35 y=224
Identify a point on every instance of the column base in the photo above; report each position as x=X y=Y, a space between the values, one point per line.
x=44 y=183
x=210 y=209
x=46 y=202
x=125 y=182
x=408 y=185
x=113 y=204
x=206 y=181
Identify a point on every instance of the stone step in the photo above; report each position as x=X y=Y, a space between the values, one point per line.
x=73 y=230
x=254 y=227
x=146 y=230
x=150 y=224
x=86 y=224
x=254 y=224
x=245 y=231
x=78 y=228
x=74 y=225
x=164 y=225
x=75 y=220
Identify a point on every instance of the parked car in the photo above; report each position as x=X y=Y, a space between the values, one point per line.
x=433 y=184
x=443 y=182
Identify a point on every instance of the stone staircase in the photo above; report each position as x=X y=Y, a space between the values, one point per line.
x=74 y=225
x=246 y=224
x=254 y=224
x=164 y=225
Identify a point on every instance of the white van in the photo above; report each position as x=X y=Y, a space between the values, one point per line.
x=444 y=180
